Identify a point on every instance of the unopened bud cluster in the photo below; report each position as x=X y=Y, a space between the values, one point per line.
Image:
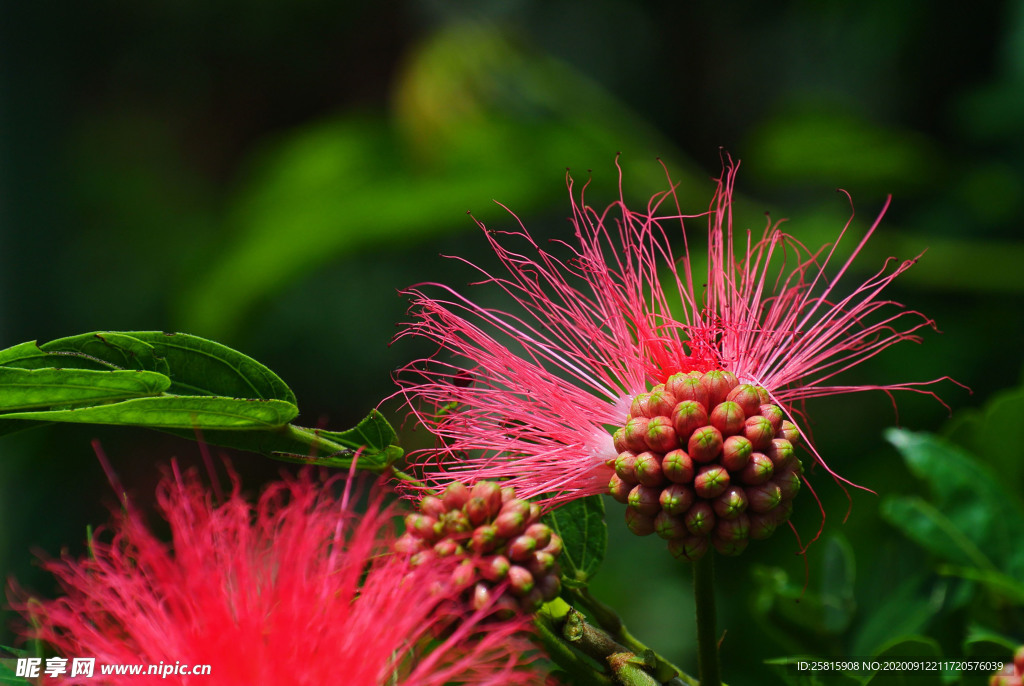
x=503 y=541
x=704 y=460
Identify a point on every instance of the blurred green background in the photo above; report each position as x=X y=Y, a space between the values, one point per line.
x=268 y=174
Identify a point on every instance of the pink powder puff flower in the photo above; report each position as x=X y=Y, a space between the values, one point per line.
x=533 y=396
x=293 y=590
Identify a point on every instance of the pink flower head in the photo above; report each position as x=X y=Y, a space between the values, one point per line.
x=292 y=590
x=532 y=396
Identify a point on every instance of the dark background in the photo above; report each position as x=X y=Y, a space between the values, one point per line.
x=268 y=174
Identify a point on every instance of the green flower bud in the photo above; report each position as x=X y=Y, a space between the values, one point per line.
x=456 y=522
x=644 y=499
x=736 y=452
x=690 y=548
x=687 y=417
x=661 y=435
x=705 y=444
x=728 y=418
x=711 y=481
x=700 y=518
x=730 y=504
x=746 y=397
x=684 y=388
x=676 y=499
x=758 y=470
x=648 y=468
x=639 y=523
x=677 y=467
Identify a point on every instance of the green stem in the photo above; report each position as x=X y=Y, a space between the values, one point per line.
x=319 y=444
x=549 y=622
x=707 y=640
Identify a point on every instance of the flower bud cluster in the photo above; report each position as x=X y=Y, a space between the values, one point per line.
x=703 y=461
x=503 y=541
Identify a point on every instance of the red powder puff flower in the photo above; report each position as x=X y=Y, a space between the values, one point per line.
x=292 y=590
x=534 y=396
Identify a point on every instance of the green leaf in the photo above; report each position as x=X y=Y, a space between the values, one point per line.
x=8 y=666
x=983 y=642
x=372 y=433
x=196 y=366
x=973 y=510
x=907 y=609
x=584 y=533
x=176 y=412
x=32 y=388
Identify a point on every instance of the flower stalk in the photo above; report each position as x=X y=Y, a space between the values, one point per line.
x=707 y=640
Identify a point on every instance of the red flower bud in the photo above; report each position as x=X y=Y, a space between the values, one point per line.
x=758 y=431
x=789 y=484
x=758 y=470
x=728 y=418
x=464 y=574
x=676 y=499
x=455 y=495
x=711 y=481
x=510 y=524
x=746 y=397
x=490 y=493
x=422 y=526
x=661 y=435
x=774 y=414
x=550 y=586
x=619 y=439
x=781 y=453
x=446 y=547
x=619 y=489
x=705 y=444
x=507 y=493
x=477 y=511
x=539 y=532
x=432 y=506
x=520 y=581
x=730 y=504
x=736 y=529
x=635 y=437
x=789 y=431
x=532 y=601
x=554 y=546
x=764 y=498
x=481 y=596
x=639 y=523
x=782 y=512
x=495 y=568
x=718 y=382
x=691 y=548
x=624 y=466
x=485 y=539
x=644 y=499
x=515 y=505
x=639 y=406
x=661 y=402
x=521 y=548
x=761 y=525
x=648 y=469
x=684 y=387
x=700 y=518
x=687 y=417
x=669 y=526
x=677 y=467
x=736 y=452
x=456 y=522
x=409 y=543
x=540 y=564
